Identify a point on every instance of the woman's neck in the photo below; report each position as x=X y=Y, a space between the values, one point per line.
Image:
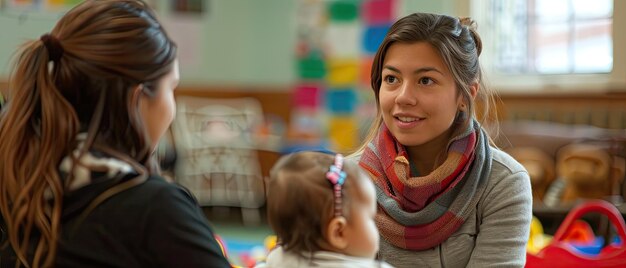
x=425 y=156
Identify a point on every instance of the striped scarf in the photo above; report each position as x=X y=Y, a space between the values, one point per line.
x=421 y=212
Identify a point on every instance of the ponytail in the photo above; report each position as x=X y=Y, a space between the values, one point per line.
x=98 y=48
x=37 y=130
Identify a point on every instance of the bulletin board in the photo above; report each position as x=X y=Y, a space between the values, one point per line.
x=337 y=40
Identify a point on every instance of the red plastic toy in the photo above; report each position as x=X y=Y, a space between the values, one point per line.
x=560 y=253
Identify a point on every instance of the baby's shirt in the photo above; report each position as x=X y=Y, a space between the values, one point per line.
x=280 y=258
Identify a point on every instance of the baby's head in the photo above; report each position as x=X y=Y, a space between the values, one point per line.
x=301 y=205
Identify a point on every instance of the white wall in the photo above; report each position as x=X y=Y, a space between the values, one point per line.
x=242 y=42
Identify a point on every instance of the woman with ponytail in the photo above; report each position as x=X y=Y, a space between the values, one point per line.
x=87 y=105
x=446 y=196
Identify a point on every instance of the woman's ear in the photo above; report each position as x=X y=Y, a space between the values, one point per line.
x=336 y=233
x=136 y=93
x=473 y=89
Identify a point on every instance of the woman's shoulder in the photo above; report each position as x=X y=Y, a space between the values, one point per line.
x=158 y=183
x=507 y=176
x=153 y=194
x=505 y=163
x=157 y=189
x=508 y=180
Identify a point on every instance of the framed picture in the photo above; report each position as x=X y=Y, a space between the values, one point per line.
x=191 y=7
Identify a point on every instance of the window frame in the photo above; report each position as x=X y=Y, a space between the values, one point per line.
x=614 y=81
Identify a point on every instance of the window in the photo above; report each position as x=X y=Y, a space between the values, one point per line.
x=551 y=43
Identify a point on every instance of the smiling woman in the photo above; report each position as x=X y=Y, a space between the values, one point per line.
x=415 y=73
x=446 y=196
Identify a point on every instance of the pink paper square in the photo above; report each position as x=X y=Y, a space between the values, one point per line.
x=307 y=96
x=377 y=12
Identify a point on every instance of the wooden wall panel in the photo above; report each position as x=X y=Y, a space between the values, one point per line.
x=601 y=110
x=274 y=100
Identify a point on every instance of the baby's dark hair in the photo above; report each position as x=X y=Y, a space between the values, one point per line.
x=300 y=199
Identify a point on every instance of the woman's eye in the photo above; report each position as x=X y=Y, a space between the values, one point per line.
x=425 y=81
x=391 y=79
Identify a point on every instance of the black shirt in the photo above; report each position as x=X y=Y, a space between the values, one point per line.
x=155 y=224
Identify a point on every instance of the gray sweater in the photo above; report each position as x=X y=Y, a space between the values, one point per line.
x=497 y=234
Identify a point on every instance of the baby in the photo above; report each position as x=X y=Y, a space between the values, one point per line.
x=322 y=210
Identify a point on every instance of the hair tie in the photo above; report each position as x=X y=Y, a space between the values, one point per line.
x=55 y=50
x=337 y=177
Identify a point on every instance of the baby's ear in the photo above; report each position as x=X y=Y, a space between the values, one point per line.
x=336 y=233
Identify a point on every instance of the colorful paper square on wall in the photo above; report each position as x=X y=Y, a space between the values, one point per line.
x=344 y=40
x=307 y=96
x=365 y=72
x=343 y=10
x=377 y=12
x=374 y=36
x=342 y=72
x=343 y=132
x=312 y=66
x=341 y=101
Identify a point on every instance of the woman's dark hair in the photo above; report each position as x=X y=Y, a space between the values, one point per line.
x=78 y=78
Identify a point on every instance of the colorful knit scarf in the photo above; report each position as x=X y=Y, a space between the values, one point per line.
x=421 y=212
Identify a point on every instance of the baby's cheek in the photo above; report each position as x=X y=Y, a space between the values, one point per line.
x=375 y=237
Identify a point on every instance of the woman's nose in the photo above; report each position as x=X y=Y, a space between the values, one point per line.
x=406 y=95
